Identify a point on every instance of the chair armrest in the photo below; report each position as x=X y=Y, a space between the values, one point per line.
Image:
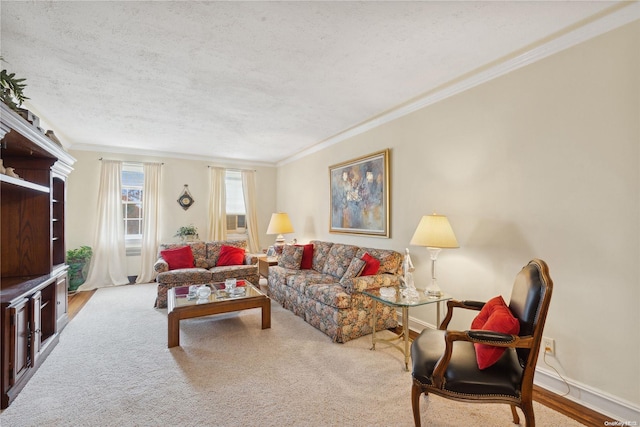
x=473 y=305
x=161 y=266
x=496 y=339
x=451 y=304
x=491 y=338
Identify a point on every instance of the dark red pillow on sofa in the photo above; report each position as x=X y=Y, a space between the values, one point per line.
x=230 y=255
x=181 y=257
x=307 y=257
x=372 y=265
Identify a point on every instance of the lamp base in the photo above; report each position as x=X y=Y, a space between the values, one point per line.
x=433 y=290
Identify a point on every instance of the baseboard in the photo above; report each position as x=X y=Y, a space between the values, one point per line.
x=597 y=400
x=581 y=394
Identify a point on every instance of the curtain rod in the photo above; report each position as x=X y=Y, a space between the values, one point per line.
x=233 y=169
x=132 y=163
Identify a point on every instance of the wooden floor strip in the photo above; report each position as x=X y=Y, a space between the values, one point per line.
x=77 y=300
x=567 y=407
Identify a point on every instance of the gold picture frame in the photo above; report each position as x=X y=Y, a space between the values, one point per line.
x=359 y=196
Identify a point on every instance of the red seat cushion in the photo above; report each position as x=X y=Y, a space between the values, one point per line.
x=499 y=319
x=181 y=257
x=372 y=265
x=230 y=255
x=307 y=256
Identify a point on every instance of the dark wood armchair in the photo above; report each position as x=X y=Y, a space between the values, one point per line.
x=444 y=361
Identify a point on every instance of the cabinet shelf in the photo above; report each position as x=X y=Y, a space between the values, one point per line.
x=21 y=183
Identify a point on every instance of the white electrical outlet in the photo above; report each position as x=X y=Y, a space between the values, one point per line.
x=549 y=346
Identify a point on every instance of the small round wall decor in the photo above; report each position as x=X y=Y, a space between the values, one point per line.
x=186 y=199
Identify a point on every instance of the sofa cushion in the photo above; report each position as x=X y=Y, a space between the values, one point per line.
x=222 y=273
x=307 y=257
x=180 y=257
x=338 y=260
x=185 y=275
x=372 y=267
x=230 y=255
x=320 y=254
x=291 y=257
x=300 y=279
x=330 y=294
x=354 y=269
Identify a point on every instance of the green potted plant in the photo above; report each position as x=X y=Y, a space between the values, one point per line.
x=11 y=89
x=78 y=261
x=187 y=233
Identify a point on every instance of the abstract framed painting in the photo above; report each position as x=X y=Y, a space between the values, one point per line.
x=359 y=190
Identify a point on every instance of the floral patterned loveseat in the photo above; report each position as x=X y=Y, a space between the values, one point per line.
x=205 y=255
x=328 y=295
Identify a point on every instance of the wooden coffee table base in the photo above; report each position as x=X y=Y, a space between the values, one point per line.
x=176 y=314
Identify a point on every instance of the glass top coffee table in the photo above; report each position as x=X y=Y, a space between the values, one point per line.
x=183 y=305
x=395 y=298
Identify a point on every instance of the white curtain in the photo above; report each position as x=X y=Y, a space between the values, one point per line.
x=108 y=264
x=249 y=191
x=150 y=209
x=217 y=205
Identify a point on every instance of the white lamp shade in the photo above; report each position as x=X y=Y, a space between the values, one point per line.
x=434 y=231
x=279 y=224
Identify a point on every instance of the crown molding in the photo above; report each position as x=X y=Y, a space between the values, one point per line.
x=614 y=17
x=167 y=154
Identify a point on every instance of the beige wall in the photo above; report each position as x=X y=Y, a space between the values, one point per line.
x=82 y=198
x=542 y=162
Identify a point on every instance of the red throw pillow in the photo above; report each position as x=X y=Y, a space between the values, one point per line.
x=500 y=320
x=230 y=255
x=486 y=311
x=307 y=257
x=181 y=257
x=372 y=265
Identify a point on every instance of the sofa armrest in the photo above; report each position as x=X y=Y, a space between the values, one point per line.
x=363 y=283
x=161 y=266
x=250 y=259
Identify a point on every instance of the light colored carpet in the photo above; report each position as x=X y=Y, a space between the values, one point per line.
x=112 y=367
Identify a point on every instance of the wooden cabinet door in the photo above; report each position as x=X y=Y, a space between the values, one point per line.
x=35 y=326
x=62 y=304
x=20 y=338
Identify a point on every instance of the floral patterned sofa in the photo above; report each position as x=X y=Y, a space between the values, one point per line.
x=205 y=255
x=328 y=294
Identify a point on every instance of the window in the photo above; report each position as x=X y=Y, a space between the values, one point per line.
x=132 y=188
x=236 y=213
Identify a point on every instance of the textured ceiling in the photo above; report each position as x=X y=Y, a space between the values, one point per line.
x=251 y=81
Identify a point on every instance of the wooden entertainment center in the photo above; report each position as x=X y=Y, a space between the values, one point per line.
x=33 y=281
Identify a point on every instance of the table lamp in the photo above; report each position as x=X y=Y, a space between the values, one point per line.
x=280 y=224
x=434 y=232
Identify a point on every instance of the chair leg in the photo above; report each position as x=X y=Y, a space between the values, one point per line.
x=529 y=418
x=516 y=418
x=416 y=391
